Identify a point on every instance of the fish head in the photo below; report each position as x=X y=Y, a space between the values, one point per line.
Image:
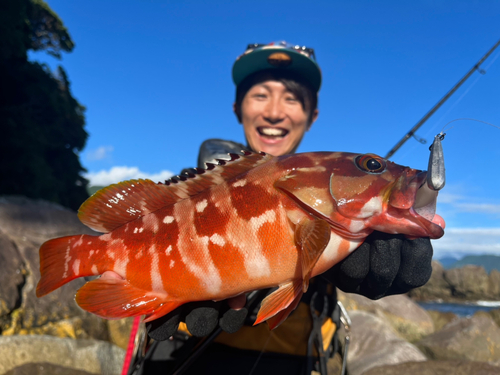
x=359 y=193
x=381 y=195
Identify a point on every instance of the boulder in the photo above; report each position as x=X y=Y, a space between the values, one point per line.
x=375 y=343
x=91 y=356
x=24 y=225
x=410 y=320
x=476 y=339
x=441 y=319
x=469 y=282
x=436 y=368
x=45 y=368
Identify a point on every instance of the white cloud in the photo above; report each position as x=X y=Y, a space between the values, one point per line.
x=99 y=153
x=486 y=208
x=117 y=174
x=467 y=241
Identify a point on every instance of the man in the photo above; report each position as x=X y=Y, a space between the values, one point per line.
x=276 y=102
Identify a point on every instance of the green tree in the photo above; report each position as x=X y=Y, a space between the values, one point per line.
x=41 y=123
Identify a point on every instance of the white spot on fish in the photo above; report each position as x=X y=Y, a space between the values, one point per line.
x=110 y=206
x=168 y=219
x=240 y=183
x=141 y=230
x=91 y=252
x=218 y=239
x=168 y=250
x=135 y=230
x=76 y=267
x=79 y=242
x=120 y=266
x=172 y=262
x=151 y=223
x=112 y=254
x=267 y=217
x=371 y=208
x=356 y=226
x=139 y=254
x=318 y=168
x=94 y=270
x=156 y=279
x=89 y=243
x=200 y=206
x=193 y=249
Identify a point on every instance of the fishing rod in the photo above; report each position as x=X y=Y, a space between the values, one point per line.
x=440 y=103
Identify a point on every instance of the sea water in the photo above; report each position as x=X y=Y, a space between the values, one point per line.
x=461 y=309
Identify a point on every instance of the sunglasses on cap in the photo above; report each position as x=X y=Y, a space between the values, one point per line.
x=306 y=51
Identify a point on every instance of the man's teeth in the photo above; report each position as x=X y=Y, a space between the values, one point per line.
x=274 y=132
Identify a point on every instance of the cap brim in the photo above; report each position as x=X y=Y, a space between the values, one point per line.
x=258 y=60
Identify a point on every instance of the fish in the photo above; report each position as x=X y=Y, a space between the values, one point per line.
x=250 y=222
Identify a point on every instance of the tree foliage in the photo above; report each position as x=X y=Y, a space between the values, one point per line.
x=41 y=123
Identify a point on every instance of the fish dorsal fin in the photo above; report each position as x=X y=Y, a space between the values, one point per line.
x=118 y=204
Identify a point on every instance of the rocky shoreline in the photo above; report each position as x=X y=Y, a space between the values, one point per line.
x=393 y=335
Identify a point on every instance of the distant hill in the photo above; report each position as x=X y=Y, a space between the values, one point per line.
x=489 y=262
x=447 y=261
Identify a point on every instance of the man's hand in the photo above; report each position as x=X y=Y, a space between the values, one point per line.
x=383 y=265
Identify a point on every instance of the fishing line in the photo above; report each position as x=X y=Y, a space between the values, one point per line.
x=261 y=353
x=469 y=119
x=482 y=72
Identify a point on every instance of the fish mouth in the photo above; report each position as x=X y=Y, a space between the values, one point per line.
x=272 y=132
x=423 y=209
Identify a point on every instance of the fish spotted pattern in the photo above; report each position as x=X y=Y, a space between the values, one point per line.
x=252 y=222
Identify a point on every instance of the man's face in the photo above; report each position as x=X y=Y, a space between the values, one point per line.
x=273 y=119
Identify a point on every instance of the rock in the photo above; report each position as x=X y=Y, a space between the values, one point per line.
x=45 y=368
x=12 y=276
x=374 y=343
x=441 y=319
x=494 y=283
x=495 y=314
x=410 y=320
x=476 y=339
x=92 y=356
x=436 y=288
x=25 y=224
x=119 y=331
x=436 y=368
x=469 y=283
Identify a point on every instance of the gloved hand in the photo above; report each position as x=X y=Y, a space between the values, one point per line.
x=383 y=265
x=201 y=319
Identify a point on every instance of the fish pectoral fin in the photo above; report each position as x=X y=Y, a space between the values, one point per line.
x=280 y=303
x=312 y=237
x=112 y=298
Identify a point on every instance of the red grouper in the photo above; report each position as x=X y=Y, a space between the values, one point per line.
x=252 y=222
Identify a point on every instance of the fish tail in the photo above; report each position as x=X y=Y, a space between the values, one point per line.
x=60 y=263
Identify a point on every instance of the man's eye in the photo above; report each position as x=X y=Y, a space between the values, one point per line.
x=291 y=99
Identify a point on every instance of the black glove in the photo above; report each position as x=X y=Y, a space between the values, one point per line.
x=201 y=319
x=383 y=265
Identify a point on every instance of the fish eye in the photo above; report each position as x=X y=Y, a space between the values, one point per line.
x=370 y=163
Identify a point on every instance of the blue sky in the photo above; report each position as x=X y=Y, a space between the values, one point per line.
x=155 y=77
